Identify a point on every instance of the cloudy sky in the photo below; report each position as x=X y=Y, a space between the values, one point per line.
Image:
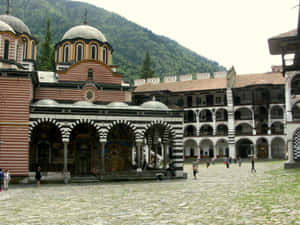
x=232 y=32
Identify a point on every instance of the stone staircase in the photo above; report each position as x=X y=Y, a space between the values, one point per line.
x=127 y=176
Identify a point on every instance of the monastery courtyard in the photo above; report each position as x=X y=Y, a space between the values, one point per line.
x=218 y=196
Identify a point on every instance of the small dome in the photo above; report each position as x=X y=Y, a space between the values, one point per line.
x=83 y=103
x=117 y=104
x=5 y=27
x=85 y=32
x=46 y=102
x=15 y=23
x=154 y=105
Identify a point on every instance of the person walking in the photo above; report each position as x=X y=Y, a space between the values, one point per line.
x=1 y=178
x=195 y=169
x=38 y=176
x=240 y=161
x=6 y=179
x=207 y=163
x=253 y=165
x=227 y=163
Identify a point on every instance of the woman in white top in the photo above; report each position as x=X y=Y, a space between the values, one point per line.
x=6 y=179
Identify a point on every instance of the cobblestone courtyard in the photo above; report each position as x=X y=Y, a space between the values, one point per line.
x=218 y=196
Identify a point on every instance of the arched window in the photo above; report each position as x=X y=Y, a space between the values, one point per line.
x=90 y=74
x=104 y=55
x=25 y=49
x=6 y=49
x=79 y=52
x=94 y=52
x=32 y=50
x=66 y=53
x=57 y=55
x=17 y=53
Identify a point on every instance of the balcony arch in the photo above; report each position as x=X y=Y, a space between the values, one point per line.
x=190 y=148
x=243 y=114
x=221 y=115
x=244 y=148
x=296 y=111
x=262 y=147
x=190 y=131
x=277 y=128
x=206 y=148
x=222 y=130
x=205 y=116
x=206 y=130
x=243 y=129
x=189 y=116
x=295 y=85
x=278 y=148
x=276 y=112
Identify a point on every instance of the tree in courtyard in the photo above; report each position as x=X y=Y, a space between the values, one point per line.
x=147 y=71
x=46 y=56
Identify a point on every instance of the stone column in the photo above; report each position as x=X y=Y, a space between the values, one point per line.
x=253 y=122
x=215 y=151
x=166 y=148
x=269 y=152
x=103 y=143
x=232 y=150
x=290 y=152
x=155 y=157
x=65 y=172
x=66 y=156
x=138 y=154
x=199 y=152
x=214 y=122
x=269 y=120
x=255 y=151
x=288 y=98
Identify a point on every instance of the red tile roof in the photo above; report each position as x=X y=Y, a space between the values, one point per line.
x=213 y=84
x=255 y=79
x=182 y=86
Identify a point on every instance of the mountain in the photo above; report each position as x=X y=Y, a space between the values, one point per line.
x=129 y=40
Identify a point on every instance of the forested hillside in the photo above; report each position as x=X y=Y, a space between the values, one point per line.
x=130 y=41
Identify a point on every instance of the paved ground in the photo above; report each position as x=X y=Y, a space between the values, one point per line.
x=218 y=196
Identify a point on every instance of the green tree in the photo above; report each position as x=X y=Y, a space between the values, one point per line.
x=46 y=57
x=147 y=71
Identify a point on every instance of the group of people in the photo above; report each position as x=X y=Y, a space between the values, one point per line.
x=4 y=178
x=227 y=162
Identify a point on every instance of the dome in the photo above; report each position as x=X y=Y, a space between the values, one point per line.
x=46 y=102
x=117 y=104
x=5 y=27
x=85 y=32
x=154 y=105
x=15 y=23
x=83 y=103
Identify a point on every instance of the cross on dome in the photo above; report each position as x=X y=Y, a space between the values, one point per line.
x=8 y=6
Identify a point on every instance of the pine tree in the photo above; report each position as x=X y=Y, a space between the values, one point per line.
x=46 y=58
x=147 y=71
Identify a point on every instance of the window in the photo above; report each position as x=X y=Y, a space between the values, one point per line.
x=90 y=74
x=104 y=55
x=94 y=52
x=17 y=53
x=218 y=100
x=6 y=49
x=198 y=100
x=79 y=52
x=25 y=49
x=32 y=50
x=57 y=55
x=66 y=53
